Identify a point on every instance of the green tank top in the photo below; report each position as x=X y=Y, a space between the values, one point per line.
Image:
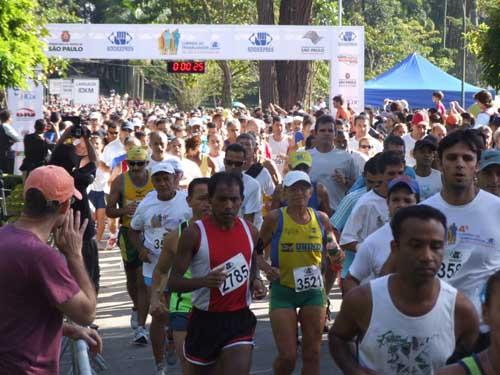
x=472 y=365
x=181 y=302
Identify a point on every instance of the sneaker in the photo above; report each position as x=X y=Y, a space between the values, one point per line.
x=160 y=369
x=111 y=243
x=134 y=319
x=141 y=336
x=171 y=355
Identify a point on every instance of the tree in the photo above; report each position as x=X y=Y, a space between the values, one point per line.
x=21 y=47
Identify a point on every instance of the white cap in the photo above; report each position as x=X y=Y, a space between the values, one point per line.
x=298 y=118
x=288 y=119
x=95 y=116
x=296 y=176
x=137 y=122
x=196 y=121
x=164 y=166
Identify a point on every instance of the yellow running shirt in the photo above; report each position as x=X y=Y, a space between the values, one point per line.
x=132 y=193
x=296 y=245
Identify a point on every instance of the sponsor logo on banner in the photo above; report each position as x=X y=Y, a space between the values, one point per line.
x=168 y=42
x=65 y=44
x=25 y=112
x=120 y=42
x=348 y=38
x=315 y=38
x=347 y=81
x=348 y=59
x=261 y=42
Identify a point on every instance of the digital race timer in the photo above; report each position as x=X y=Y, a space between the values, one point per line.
x=186 y=67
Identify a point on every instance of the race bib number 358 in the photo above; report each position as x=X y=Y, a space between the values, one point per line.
x=237 y=272
x=307 y=278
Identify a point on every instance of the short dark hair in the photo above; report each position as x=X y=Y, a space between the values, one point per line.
x=484 y=97
x=488 y=291
x=276 y=119
x=224 y=178
x=309 y=142
x=193 y=142
x=236 y=147
x=359 y=117
x=35 y=204
x=438 y=94
x=371 y=165
x=249 y=137
x=4 y=116
x=195 y=182
x=338 y=99
x=40 y=125
x=393 y=140
x=325 y=119
x=421 y=211
x=470 y=137
x=387 y=158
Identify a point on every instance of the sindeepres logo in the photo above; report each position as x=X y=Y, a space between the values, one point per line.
x=261 y=42
x=120 y=42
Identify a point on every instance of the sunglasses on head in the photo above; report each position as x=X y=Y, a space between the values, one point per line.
x=136 y=163
x=234 y=163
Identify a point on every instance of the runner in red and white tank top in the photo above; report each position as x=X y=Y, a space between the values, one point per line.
x=219 y=249
x=230 y=251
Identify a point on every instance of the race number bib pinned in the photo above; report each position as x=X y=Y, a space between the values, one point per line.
x=237 y=272
x=453 y=261
x=307 y=278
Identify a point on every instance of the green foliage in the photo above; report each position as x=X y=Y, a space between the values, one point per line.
x=484 y=42
x=21 y=49
x=15 y=203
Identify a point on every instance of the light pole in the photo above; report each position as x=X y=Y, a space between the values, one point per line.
x=444 y=22
x=340 y=12
x=464 y=51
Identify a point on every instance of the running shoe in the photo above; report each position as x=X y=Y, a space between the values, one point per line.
x=160 y=369
x=134 y=319
x=171 y=355
x=141 y=336
x=112 y=242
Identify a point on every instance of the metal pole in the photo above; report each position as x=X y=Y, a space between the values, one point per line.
x=464 y=51
x=83 y=358
x=444 y=22
x=340 y=12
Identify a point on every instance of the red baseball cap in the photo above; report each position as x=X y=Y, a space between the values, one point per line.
x=418 y=117
x=55 y=183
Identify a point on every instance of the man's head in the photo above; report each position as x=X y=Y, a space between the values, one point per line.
x=48 y=192
x=277 y=126
x=300 y=161
x=298 y=188
x=372 y=177
x=402 y=192
x=297 y=123
x=126 y=129
x=5 y=117
x=459 y=154
x=338 y=101
x=488 y=177
x=419 y=233
x=137 y=160
x=361 y=126
x=425 y=151
x=390 y=165
x=175 y=147
x=193 y=146
x=215 y=143
x=112 y=132
x=325 y=130
x=225 y=193
x=438 y=131
x=40 y=126
x=234 y=158
x=248 y=142
x=394 y=143
x=198 y=197
x=163 y=179
x=233 y=128
x=158 y=142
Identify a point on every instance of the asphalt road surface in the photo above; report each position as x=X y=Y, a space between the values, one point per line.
x=124 y=358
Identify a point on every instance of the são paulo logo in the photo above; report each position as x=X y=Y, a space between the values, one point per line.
x=120 y=42
x=65 y=44
x=261 y=42
x=314 y=38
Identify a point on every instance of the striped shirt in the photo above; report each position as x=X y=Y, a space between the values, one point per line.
x=344 y=209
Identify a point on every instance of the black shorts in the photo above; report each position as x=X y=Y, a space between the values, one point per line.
x=208 y=333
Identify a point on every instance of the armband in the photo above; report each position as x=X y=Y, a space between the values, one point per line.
x=259 y=248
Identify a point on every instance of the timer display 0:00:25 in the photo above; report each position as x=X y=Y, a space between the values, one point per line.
x=185 y=67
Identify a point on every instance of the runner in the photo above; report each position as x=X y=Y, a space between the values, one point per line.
x=220 y=251
x=472 y=248
x=488 y=361
x=488 y=177
x=429 y=179
x=160 y=212
x=376 y=248
x=279 y=144
x=127 y=190
x=180 y=303
x=296 y=234
x=408 y=322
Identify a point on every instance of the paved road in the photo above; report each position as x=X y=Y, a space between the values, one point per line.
x=113 y=319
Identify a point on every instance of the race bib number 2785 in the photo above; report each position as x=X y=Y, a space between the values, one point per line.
x=237 y=272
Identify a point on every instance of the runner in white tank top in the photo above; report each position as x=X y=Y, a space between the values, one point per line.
x=409 y=322
x=279 y=149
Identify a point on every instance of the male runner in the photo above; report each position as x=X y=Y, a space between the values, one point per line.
x=159 y=213
x=411 y=321
x=220 y=251
x=429 y=179
x=180 y=303
x=473 y=242
x=488 y=177
x=127 y=190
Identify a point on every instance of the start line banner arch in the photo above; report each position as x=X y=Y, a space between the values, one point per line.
x=342 y=46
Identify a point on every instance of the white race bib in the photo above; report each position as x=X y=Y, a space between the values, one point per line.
x=307 y=278
x=453 y=260
x=237 y=272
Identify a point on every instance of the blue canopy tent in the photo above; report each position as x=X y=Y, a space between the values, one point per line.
x=414 y=79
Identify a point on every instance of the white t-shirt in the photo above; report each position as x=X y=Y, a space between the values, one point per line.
x=369 y=214
x=278 y=151
x=429 y=185
x=156 y=218
x=267 y=189
x=112 y=150
x=472 y=252
x=252 y=196
x=371 y=255
x=409 y=146
x=100 y=182
x=218 y=161
x=191 y=171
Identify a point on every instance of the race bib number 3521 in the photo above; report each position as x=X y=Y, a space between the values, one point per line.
x=307 y=278
x=237 y=272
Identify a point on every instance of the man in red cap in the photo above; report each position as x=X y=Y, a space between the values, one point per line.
x=38 y=284
x=419 y=125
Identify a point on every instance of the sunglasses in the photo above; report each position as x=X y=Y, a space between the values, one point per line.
x=233 y=163
x=136 y=163
x=112 y=133
x=366 y=146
